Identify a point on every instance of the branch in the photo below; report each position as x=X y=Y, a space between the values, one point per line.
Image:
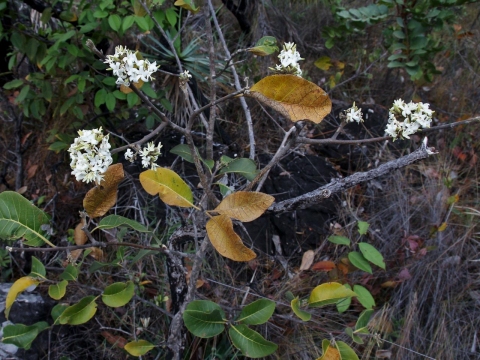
x=336 y=186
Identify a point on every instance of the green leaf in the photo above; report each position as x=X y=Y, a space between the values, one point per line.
x=70 y=273
x=245 y=167
x=110 y=101
x=118 y=294
x=359 y=261
x=344 y=304
x=346 y=352
x=328 y=293
x=127 y=22
x=183 y=150
x=363 y=227
x=249 y=342
x=147 y=89
x=119 y=95
x=171 y=15
x=169 y=186
x=258 y=312
x=100 y=97
x=340 y=240
x=113 y=221
x=363 y=320
x=418 y=42
x=22 y=335
x=355 y=337
x=115 y=22
x=38 y=269
x=267 y=45
x=20 y=219
x=364 y=296
x=302 y=314
x=79 y=313
x=138 y=348
x=23 y=94
x=323 y=63
x=132 y=99
x=57 y=291
x=13 y=84
x=204 y=318
x=372 y=254
x=57 y=311
x=399 y=34
x=109 y=81
x=142 y=23
x=58 y=146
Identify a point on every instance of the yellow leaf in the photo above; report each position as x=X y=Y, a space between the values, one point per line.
x=330 y=353
x=168 y=185
x=244 y=205
x=293 y=97
x=138 y=9
x=329 y=293
x=187 y=5
x=18 y=286
x=323 y=63
x=442 y=227
x=226 y=241
x=126 y=89
x=101 y=198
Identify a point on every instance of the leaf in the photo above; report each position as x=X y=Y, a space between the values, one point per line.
x=23 y=94
x=115 y=22
x=302 y=314
x=245 y=167
x=204 y=318
x=138 y=348
x=355 y=337
x=363 y=227
x=38 y=269
x=325 y=265
x=118 y=294
x=340 y=240
x=323 y=63
x=328 y=293
x=372 y=254
x=187 y=5
x=344 y=304
x=364 y=296
x=359 y=261
x=13 y=84
x=57 y=311
x=57 y=291
x=18 y=287
x=244 y=205
x=346 y=352
x=138 y=9
x=21 y=335
x=256 y=313
x=20 y=219
x=363 y=320
x=127 y=22
x=293 y=97
x=102 y=197
x=183 y=150
x=70 y=273
x=170 y=187
x=226 y=241
x=250 y=343
x=267 y=45
x=307 y=260
x=114 y=340
x=329 y=352
x=79 y=313
x=113 y=221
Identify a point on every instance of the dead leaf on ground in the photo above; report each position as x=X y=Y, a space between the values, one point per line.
x=226 y=241
x=293 y=97
x=101 y=198
x=79 y=235
x=307 y=260
x=116 y=340
x=324 y=266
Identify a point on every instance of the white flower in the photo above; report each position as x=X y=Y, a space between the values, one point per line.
x=149 y=155
x=416 y=116
x=129 y=155
x=184 y=76
x=353 y=114
x=289 y=58
x=128 y=68
x=90 y=155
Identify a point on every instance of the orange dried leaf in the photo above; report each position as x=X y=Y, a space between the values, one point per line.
x=324 y=266
x=101 y=198
x=330 y=354
x=226 y=241
x=116 y=340
x=126 y=89
x=79 y=235
x=293 y=97
x=244 y=205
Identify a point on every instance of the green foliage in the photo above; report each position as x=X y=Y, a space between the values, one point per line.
x=250 y=342
x=257 y=312
x=204 y=318
x=22 y=335
x=79 y=313
x=118 y=294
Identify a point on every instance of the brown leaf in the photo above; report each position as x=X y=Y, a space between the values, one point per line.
x=97 y=253
x=79 y=235
x=245 y=205
x=226 y=241
x=307 y=260
x=101 y=198
x=293 y=97
x=31 y=171
x=324 y=266
x=116 y=340
x=22 y=190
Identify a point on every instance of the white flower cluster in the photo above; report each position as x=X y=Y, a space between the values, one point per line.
x=149 y=155
x=90 y=154
x=125 y=64
x=353 y=114
x=289 y=58
x=415 y=116
x=185 y=76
